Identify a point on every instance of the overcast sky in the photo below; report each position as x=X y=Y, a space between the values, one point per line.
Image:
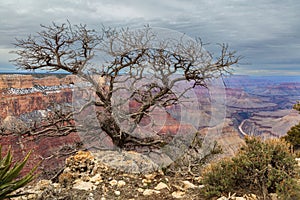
x=265 y=32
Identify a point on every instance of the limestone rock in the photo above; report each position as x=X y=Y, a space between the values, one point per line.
x=82 y=185
x=130 y=162
x=150 y=176
x=273 y=196
x=178 y=194
x=140 y=190
x=113 y=182
x=161 y=186
x=121 y=183
x=188 y=185
x=149 y=192
x=298 y=160
x=240 y=198
x=96 y=178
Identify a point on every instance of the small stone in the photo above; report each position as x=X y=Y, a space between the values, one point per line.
x=96 y=178
x=97 y=182
x=56 y=185
x=117 y=193
x=83 y=185
x=240 y=198
x=31 y=196
x=298 y=160
x=188 y=185
x=91 y=196
x=149 y=192
x=253 y=197
x=85 y=177
x=150 y=176
x=121 y=183
x=113 y=182
x=161 y=186
x=146 y=181
x=140 y=190
x=161 y=172
x=201 y=186
x=43 y=184
x=178 y=194
x=273 y=196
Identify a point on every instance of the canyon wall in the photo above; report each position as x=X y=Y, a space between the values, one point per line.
x=270 y=124
x=22 y=81
x=257 y=108
x=22 y=95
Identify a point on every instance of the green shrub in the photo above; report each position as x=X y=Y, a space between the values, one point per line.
x=293 y=137
x=9 y=175
x=259 y=168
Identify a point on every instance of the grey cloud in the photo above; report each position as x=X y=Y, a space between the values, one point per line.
x=263 y=31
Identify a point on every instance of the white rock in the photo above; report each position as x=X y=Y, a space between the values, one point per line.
x=298 y=160
x=83 y=185
x=140 y=190
x=148 y=192
x=161 y=186
x=56 y=185
x=113 y=182
x=146 y=181
x=273 y=196
x=91 y=196
x=188 y=185
x=117 y=193
x=240 y=198
x=253 y=197
x=178 y=194
x=121 y=183
x=150 y=176
x=97 y=182
x=96 y=178
x=32 y=196
x=201 y=186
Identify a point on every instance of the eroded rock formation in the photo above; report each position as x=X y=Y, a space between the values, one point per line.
x=24 y=96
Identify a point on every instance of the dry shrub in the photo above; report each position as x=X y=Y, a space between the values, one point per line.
x=260 y=167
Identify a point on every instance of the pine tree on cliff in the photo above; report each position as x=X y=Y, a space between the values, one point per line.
x=133 y=61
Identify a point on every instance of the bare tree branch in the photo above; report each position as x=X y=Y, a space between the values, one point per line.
x=135 y=64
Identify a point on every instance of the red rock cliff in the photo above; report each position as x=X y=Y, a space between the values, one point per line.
x=18 y=96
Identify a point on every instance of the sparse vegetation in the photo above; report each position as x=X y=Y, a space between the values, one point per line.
x=10 y=179
x=293 y=135
x=260 y=167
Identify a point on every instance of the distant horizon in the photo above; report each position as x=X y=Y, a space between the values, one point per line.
x=278 y=78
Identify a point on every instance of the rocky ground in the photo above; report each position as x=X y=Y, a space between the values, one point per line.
x=86 y=177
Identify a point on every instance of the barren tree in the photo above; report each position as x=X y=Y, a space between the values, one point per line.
x=137 y=63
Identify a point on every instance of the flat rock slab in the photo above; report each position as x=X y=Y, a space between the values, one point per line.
x=127 y=161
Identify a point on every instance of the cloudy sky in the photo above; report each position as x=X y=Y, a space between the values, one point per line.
x=265 y=32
